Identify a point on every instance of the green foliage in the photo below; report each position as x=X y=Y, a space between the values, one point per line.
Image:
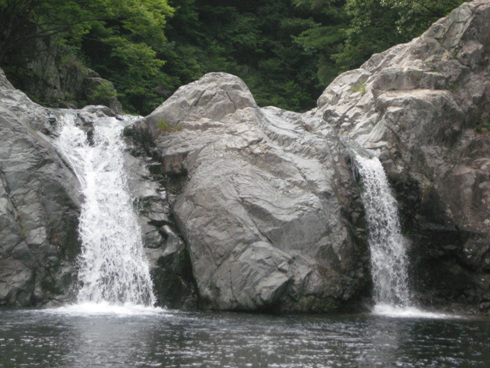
x=372 y=28
x=165 y=127
x=125 y=49
x=135 y=70
x=253 y=41
x=483 y=127
x=361 y=88
x=119 y=39
x=375 y=25
x=103 y=93
x=415 y=16
x=286 y=51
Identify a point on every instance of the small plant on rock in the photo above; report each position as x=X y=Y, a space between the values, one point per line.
x=361 y=88
x=484 y=126
x=165 y=127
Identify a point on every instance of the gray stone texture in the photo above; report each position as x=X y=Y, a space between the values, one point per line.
x=38 y=207
x=419 y=107
x=266 y=200
x=264 y=209
x=258 y=209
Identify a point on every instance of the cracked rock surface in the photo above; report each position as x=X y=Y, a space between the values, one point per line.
x=266 y=200
x=264 y=209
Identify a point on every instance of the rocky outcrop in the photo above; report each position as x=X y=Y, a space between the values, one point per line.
x=265 y=206
x=170 y=268
x=423 y=107
x=165 y=251
x=40 y=204
x=266 y=200
x=38 y=207
x=54 y=77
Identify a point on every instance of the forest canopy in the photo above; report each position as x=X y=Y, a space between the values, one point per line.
x=286 y=51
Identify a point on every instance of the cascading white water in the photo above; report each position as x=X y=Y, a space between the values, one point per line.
x=113 y=268
x=387 y=245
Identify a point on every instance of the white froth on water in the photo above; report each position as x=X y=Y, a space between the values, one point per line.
x=408 y=312
x=105 y=308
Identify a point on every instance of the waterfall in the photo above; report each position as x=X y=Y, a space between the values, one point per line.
x=112 y=264
x=387 y=245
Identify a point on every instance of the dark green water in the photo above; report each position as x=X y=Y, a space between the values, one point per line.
x=168 y=339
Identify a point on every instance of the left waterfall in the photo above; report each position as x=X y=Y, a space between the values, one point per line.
x=112 y=264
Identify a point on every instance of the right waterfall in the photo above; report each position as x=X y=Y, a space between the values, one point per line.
x=389 y=265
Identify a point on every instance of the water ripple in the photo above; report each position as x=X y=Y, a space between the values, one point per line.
x=63 y=338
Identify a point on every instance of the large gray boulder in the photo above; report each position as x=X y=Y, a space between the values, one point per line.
x=170 y=269
x=38 y=207
x=264 y=204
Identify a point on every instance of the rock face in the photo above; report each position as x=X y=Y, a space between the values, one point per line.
x=56 y=78
x=266 y=206
x=38 y=207
x=165 y=250
x=266 y=200
x=423 y=107
x=167 y=255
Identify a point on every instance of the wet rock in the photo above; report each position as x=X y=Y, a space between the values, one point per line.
x=266 y=200
x=167 y=255
x=258 y=209
x=38 y=208
x=418 y=106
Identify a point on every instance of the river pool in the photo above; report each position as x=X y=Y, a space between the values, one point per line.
x=144 y=337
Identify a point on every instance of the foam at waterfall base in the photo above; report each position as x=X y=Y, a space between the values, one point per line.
x=408 y=312
x=94 y=309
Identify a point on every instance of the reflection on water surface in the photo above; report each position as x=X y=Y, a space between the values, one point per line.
x=158 y=338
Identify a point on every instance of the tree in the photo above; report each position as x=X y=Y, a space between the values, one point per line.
x=325 y=37
x=286 y=51
x=119 y=38
x=376 y=25
x=124 y=48
x=252 y=40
